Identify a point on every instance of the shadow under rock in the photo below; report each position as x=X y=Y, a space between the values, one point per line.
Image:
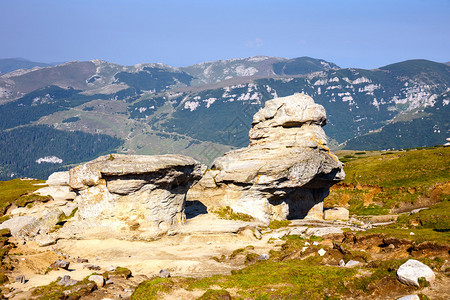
x=194 y=208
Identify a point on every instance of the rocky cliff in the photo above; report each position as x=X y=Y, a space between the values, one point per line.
x=284 y=173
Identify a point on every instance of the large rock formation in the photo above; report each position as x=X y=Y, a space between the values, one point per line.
x=130 y=196
x=285 y=172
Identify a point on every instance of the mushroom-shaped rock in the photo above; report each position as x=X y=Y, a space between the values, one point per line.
x=131 y=196
x=285 y=172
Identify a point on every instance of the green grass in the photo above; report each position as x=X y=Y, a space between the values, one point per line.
x=391 y=180
x=275 y=224
x=12 y=190
x=227 y=213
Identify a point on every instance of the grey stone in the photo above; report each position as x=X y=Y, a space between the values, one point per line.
x=60 y=264
x=409 y=297
x=352 y=263
x=263 y=256
x=412 y=270
x=321 y=252
x=92 y=267
x=17 y=223
x=98 y=279
x=164 y=274
x=82 y=260
x=58 y=179
x=257 y=234
x=286 y=171
x=321 y=231
x=66 y=281
x=21 y=279
x=341 y=263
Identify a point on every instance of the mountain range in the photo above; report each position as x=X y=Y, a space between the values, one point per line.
x=57 y=116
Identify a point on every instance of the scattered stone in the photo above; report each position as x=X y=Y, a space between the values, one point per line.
x=304 y=249
x=321 y=252
x=315 y=243
x=391 y=246
x=411 y=233
x=21 y=279
x=279 y=234
x=287 y=160
x=409 y=297
x=341 y=263
x=82 y=260
x=164 y=274
x=66 y=281
x=307 y=244
x=111 y=269
x=410 y=272
x=109 y=281
x=60 y=264
x=321 y=231
x=352 y=263
x=92 y=267
x=415 y=211
x=263 y=256
x=98 y=279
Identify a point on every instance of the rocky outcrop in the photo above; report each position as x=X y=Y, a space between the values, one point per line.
x=285 y=172
x=58 y=187
x=130 y=196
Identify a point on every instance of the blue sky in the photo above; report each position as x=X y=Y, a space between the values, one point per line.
x=364 y=34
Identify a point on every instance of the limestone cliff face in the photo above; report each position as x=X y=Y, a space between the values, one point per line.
x=285 y=172
x=131 y=196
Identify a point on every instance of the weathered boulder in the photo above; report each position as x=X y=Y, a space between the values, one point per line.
x=285 y=172
x=15 y=224
x=58 y=187
x=131 y=196
x=410 y=272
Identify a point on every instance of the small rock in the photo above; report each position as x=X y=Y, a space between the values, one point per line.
x=391 y=246
x=164 y=274
x=410 y=272
x=304 y=249
x=98 y=279
x=315 y=243
x=352 y=263
x=109 y=281
x=21 y=279
x=321 y=252
x=279 y=234
x=82 y=260
x=60 y=264
x=341 y=263
x=307 y=244
x=66 y=281
x=411 y=233
x=92 y=267
x=409 y=297
x=263 y=257
x=111 y=269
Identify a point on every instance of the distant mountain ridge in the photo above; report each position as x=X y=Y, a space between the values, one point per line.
x=11 y=64
x=206 y=109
